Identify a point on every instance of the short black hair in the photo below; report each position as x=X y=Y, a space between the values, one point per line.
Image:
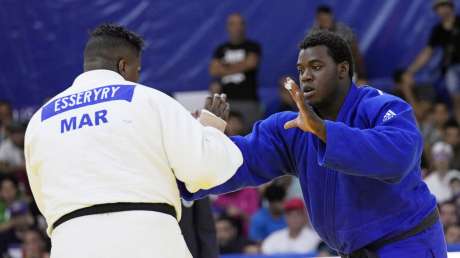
x=17 y=127
x=233 y=221
x=323 y=9
x=107 y=40
x=275 y=193
x=10 y=178
x=336 y=46
x=451 y=123
x=5 y=103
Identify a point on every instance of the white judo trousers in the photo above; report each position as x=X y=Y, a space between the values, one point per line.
x=127 y=234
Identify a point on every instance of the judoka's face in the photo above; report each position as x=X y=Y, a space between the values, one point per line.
x=319 y=73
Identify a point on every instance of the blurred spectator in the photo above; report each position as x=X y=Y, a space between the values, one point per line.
x=419 y=96
x=447 y=36
x=298 y=237
x=251 y=247
x=268 y=220
x=452 y=137
x=34 y=245
x=240 y=204
x=437 y=181
x=6 y=116
x=292 y=186
x=235 y=124
x=12 y=149
x=15 y=215
x=325 y=20
x=453 y=234
x=456 y=113
x=228 y=237
x=198 y=228
x=448 y=214
x=433 y=127
x=235 y=64
x=454 y=184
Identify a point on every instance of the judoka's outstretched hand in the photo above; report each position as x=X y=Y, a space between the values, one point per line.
x=307 y=120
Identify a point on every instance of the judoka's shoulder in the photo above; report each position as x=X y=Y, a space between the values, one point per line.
x=374 y=100
x=33 y=123
x=155 y=97
x=150 y=92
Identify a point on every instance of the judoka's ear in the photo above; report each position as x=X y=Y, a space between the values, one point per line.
x=343 y=69
x=121 y=66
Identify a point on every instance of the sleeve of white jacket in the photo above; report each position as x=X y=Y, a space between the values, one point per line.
x=201 y=156
x=33 y=177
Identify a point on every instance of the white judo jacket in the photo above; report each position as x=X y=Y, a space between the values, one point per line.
x=107 y=140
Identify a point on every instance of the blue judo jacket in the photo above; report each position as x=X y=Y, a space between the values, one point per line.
x=363 y=184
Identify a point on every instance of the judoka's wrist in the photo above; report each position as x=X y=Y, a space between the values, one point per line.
x=207 y=118
x=320 y=130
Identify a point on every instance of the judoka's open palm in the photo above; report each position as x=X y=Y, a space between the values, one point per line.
x=307 y=120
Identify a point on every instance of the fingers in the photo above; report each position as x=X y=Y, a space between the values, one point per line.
x=223 y=104
x=208 y=102
x=295 y=93
x=195 y=114
x=291 y=124
x=226 y=113
x=216 y=104
x=291 y=87
x=300 y=101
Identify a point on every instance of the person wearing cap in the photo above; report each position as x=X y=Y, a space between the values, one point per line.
x=438 y=180
x=446 y=35
x=297 y=237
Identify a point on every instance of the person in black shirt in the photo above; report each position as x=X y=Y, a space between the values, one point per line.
x=446 y=35
x=234 y=65
x=197 y=226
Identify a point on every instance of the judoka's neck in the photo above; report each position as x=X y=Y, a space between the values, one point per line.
x=332 y=109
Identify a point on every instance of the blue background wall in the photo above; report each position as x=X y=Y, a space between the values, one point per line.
x=42 y=41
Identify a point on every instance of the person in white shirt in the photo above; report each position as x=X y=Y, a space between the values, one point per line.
x=298 y=237
x=103 y=157
x=439 y=179
x=12 y=149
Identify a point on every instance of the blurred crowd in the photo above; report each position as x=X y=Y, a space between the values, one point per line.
x=270 y=219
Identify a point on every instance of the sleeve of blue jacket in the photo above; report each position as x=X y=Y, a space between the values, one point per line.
x=388 y=150
x=266 y=156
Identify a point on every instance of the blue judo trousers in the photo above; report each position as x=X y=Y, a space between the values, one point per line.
x=363 y=184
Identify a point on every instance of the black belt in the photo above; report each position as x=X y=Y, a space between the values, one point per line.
x=370 y=251
x=116 y=207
